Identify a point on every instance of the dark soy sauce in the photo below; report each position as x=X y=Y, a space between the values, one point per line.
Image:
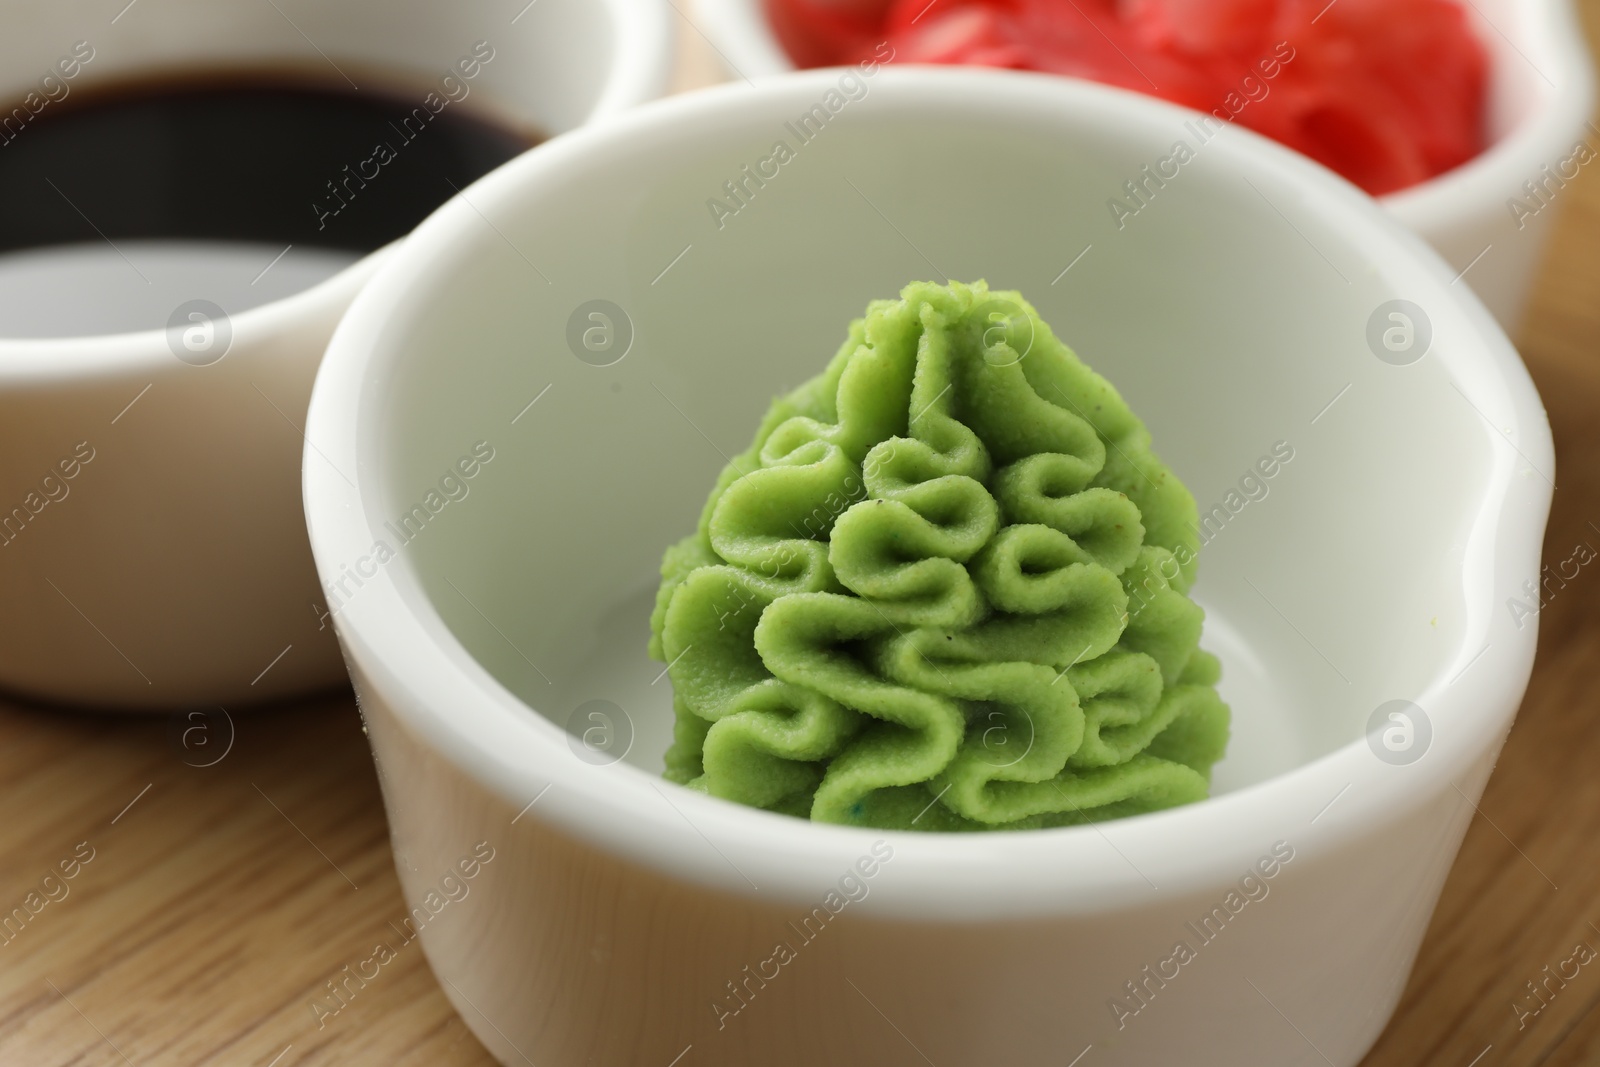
x=270 y=157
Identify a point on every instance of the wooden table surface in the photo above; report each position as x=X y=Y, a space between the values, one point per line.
x=209 y=905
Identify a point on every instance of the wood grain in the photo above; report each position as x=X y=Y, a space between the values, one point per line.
x=220 y=900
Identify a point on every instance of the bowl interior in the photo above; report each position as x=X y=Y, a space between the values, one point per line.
x=1231 y=309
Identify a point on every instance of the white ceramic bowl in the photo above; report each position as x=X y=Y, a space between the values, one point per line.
x=1540 y=94
x=617 y=908
x=172 y=568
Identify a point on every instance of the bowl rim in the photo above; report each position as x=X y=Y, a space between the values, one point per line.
x=1551 y=42
x=641 y=65
x=1553 y=39
x=402 y=655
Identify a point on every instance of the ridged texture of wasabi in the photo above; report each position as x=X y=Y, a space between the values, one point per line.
x=944 y=589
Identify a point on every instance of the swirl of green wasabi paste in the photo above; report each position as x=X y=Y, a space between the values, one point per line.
x=944 y=589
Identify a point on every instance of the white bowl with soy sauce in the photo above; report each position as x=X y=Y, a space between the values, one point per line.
x=190 y=195
x=1373 y=472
